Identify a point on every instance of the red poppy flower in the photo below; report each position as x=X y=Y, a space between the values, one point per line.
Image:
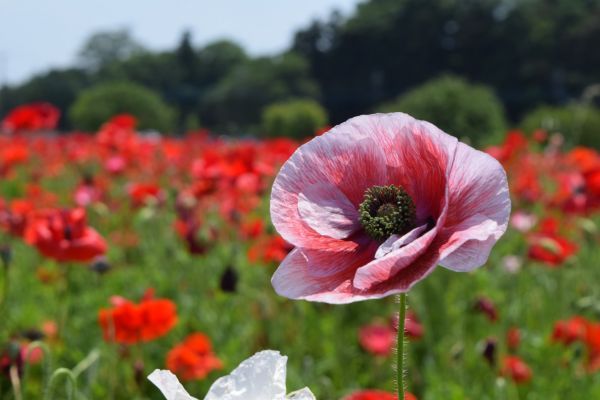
x=516 y=369
x=514 y=143
x=11 y=155
x=269 y=249
x=143 y=193
x=570 y=330
x=548 y=246
x=130 y=323
x=32 y=117
x=251 y=229
x=513 y=338
x=592 y=341
x=377 y=395
x=118 y=134
x=64 y=235
x=193 y=358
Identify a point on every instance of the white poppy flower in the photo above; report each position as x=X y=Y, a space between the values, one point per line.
x=261 y=377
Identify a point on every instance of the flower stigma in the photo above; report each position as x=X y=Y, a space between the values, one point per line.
x=385 y=211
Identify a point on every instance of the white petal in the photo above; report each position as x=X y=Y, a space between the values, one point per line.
x=169 y=385
x=328 y=211
x=261 y=377
x=394 y=242
x=302 y=394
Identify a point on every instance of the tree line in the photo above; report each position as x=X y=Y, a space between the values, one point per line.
x=530 y=52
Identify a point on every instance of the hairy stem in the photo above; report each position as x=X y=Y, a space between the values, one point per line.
x=400 y=355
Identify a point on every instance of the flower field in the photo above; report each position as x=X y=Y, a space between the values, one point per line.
x=124 y=252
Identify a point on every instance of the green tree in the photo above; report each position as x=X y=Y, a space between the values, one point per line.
x=579 y=124
x=105 y=48
x=456 y=106
x=238 y=99
x=99 y=103
x=529 y=51
x=298 y=118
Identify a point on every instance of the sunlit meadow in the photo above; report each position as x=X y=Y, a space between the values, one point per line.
x=124 y=251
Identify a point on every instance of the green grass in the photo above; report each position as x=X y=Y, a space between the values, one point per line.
x=320 y=340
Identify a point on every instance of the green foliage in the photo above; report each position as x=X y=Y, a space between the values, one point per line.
x=97 y=104
x=238 y=99
x=354 y=62
x=530 y=52
x=454 y=105
x=104 y=48
x=294 y=118
x=579 y=124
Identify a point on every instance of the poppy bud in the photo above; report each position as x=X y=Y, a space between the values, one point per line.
x=489 y=351
x=138 y=372
x=6 y=255
x=485 y=306
x=100 y=265
x=33 y=334
x=229 y=280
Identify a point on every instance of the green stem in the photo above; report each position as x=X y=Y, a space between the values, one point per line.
x=5 y=287
x=400 y=355
x=71 y=387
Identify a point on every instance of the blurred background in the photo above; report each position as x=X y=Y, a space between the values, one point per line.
x=189 y=108
x=474 y=67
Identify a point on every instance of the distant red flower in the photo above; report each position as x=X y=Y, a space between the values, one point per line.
x=142 y=193
x=377 y=338
x=377 y=395
x=516 y=369
x=585 y=159
x=11 y=155
x=579 y=329
x=570 y=330
x=592 y=341
x=193 y=358
x=64 y=235
x=412 y=325
x=251 y=229
x=487 y=307
x=513 y=338
x=514 y=143
x=548 y=246
x=13 y=217
x=189 y=231
x=125 y=121
x=118 y=133
x=32 y=117
x=269 y=249
x=130 y=323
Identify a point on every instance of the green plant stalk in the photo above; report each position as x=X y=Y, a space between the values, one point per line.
x=71 y=388
x=5 y=287
x=400 y=354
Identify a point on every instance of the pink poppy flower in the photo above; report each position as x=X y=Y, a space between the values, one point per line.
x=376 y=203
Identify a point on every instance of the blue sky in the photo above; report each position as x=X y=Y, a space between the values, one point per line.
x=38 y=34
